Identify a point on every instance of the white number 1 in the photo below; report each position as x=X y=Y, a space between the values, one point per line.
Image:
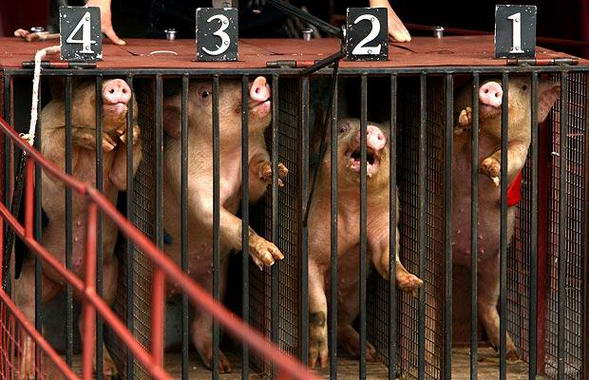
x=85 y=41
x=517 y=33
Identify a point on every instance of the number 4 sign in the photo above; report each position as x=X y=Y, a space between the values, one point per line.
x=515 y=31
x=216 y=34
x=80 y=35
x=366 y=36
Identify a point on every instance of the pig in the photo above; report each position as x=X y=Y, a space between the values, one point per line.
x=348 y=243
x=200 y=186
x=116 y=97
x=519 y=135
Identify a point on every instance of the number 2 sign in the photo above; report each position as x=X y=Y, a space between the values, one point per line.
x=216 y=34
x=366 y=36
x=80 y=35
x=515 y=31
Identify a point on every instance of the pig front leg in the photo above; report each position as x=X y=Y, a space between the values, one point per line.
x=381 y=256
x=318 y=352
x=84 y=137
x=260 y=169
x=516 y=158
x=261 y=250
x=118 y=173
x=488 y=295
x=464 y=121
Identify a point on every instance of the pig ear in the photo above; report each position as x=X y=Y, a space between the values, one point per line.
x=172 y=116
x=549 y=92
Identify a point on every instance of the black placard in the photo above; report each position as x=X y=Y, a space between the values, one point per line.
x=80 y=35
x=216 y=34
x=366 y=34
x=515 y=31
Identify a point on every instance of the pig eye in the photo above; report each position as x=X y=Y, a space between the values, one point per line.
x=343 y=128
x=525 y=87
x=205 y=94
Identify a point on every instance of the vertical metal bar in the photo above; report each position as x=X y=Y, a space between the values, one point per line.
x=29 y=199
x=159 y=165
x=216 y=220
x=275 y=270
x=474 y=233
x=99 y=246
x=304 y=183
x=245 y=218
x=363 y=220
x=184 y=222
x=69 y=311
x=333 y=281
x=38 y=234
x=88 y=310
x=449 y=153
x=503 y=229
x=393 y=209
x=130 y=251
x=532 y=365
x=6 y=277
x=421 y=220
x=562 y=220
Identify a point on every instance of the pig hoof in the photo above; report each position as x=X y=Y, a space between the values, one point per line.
x=136 y=133
x=318 y=353
x=264 y=252
x=350 y=341
x=107 y=143
x=282 y=170
x=465 y=118
x=224 y=365
x=408 y=282
x=512 y=357
x=491 y=168
x=109 y=369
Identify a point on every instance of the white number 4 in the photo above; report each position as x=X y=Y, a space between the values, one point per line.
x=517 y=33
x=360 y=49
x=85 y=41
x=221 y=34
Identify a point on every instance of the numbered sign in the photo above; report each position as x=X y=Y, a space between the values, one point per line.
x=515 y=31
x=366 y=36
x=80 y=35
x=216 y=34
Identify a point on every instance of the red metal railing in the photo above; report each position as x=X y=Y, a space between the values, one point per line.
x=164 y=270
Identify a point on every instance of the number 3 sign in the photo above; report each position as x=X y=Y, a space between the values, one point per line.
x=216 y=34
x=79 y=32
x=515 y=31
x=366 y=34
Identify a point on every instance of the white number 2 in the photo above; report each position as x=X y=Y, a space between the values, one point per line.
x=221 y=34
x=85 y=41
x=360 y=49
x=517 y=33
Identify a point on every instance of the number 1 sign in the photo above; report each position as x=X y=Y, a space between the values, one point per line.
x=80 y=36
x=515 y=31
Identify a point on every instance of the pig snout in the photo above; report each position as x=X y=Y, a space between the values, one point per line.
x=260 y=97
x=375 y=139
x=259 y=90
x=491 y=94
x=116 y=91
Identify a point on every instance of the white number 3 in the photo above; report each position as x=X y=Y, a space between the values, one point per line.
x=85 y=41
x=221 y=34
x=360 y=49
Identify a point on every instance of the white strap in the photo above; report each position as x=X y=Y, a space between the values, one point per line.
x=30 y=137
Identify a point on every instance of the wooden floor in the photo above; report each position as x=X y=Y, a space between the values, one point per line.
x=488 y=368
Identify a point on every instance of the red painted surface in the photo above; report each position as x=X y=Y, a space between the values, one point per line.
x=514 y=190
